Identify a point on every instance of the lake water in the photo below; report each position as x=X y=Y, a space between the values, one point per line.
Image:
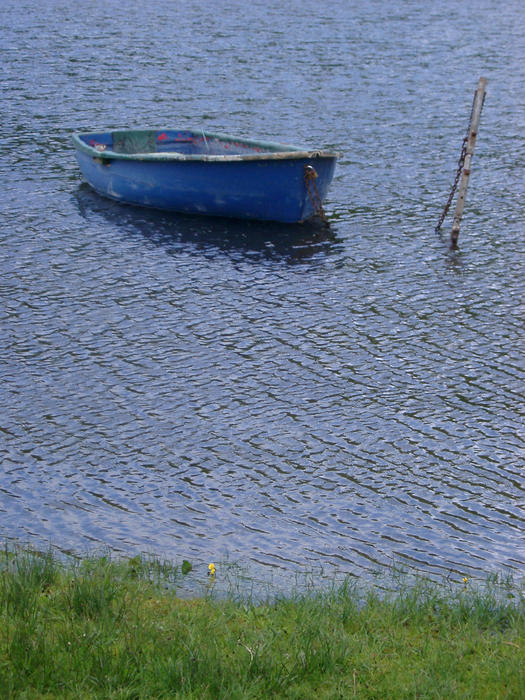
x=283 y=397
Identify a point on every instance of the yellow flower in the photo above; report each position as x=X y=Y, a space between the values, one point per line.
x=211 y=569
x=465 y=579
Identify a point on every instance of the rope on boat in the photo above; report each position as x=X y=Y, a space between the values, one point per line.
x=310 y=176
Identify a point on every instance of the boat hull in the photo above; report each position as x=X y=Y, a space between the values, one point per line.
x=267 y=187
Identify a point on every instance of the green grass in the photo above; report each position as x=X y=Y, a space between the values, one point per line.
x=105 y=629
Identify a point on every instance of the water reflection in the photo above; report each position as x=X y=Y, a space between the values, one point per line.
x=290 y=243
x=286 y=396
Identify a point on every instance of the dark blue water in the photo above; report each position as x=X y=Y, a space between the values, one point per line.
x=288 y=398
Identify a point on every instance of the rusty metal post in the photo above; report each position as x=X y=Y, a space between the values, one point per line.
x=479 y=98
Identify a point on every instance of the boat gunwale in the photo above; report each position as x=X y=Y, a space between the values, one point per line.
x=284 y=152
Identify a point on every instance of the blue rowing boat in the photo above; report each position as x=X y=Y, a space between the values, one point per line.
x=204 y=173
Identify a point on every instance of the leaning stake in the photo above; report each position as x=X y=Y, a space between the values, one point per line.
x=479 y=98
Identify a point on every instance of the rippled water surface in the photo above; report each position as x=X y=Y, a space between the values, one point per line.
x=285 y=397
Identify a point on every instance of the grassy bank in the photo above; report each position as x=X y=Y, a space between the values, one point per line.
x=101 y=629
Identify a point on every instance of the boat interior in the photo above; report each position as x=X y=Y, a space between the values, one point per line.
x=171 y=141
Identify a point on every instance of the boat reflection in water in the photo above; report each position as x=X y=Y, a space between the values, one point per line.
x=249 y=239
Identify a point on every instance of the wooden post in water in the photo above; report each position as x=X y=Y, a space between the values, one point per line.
x=471 y=142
